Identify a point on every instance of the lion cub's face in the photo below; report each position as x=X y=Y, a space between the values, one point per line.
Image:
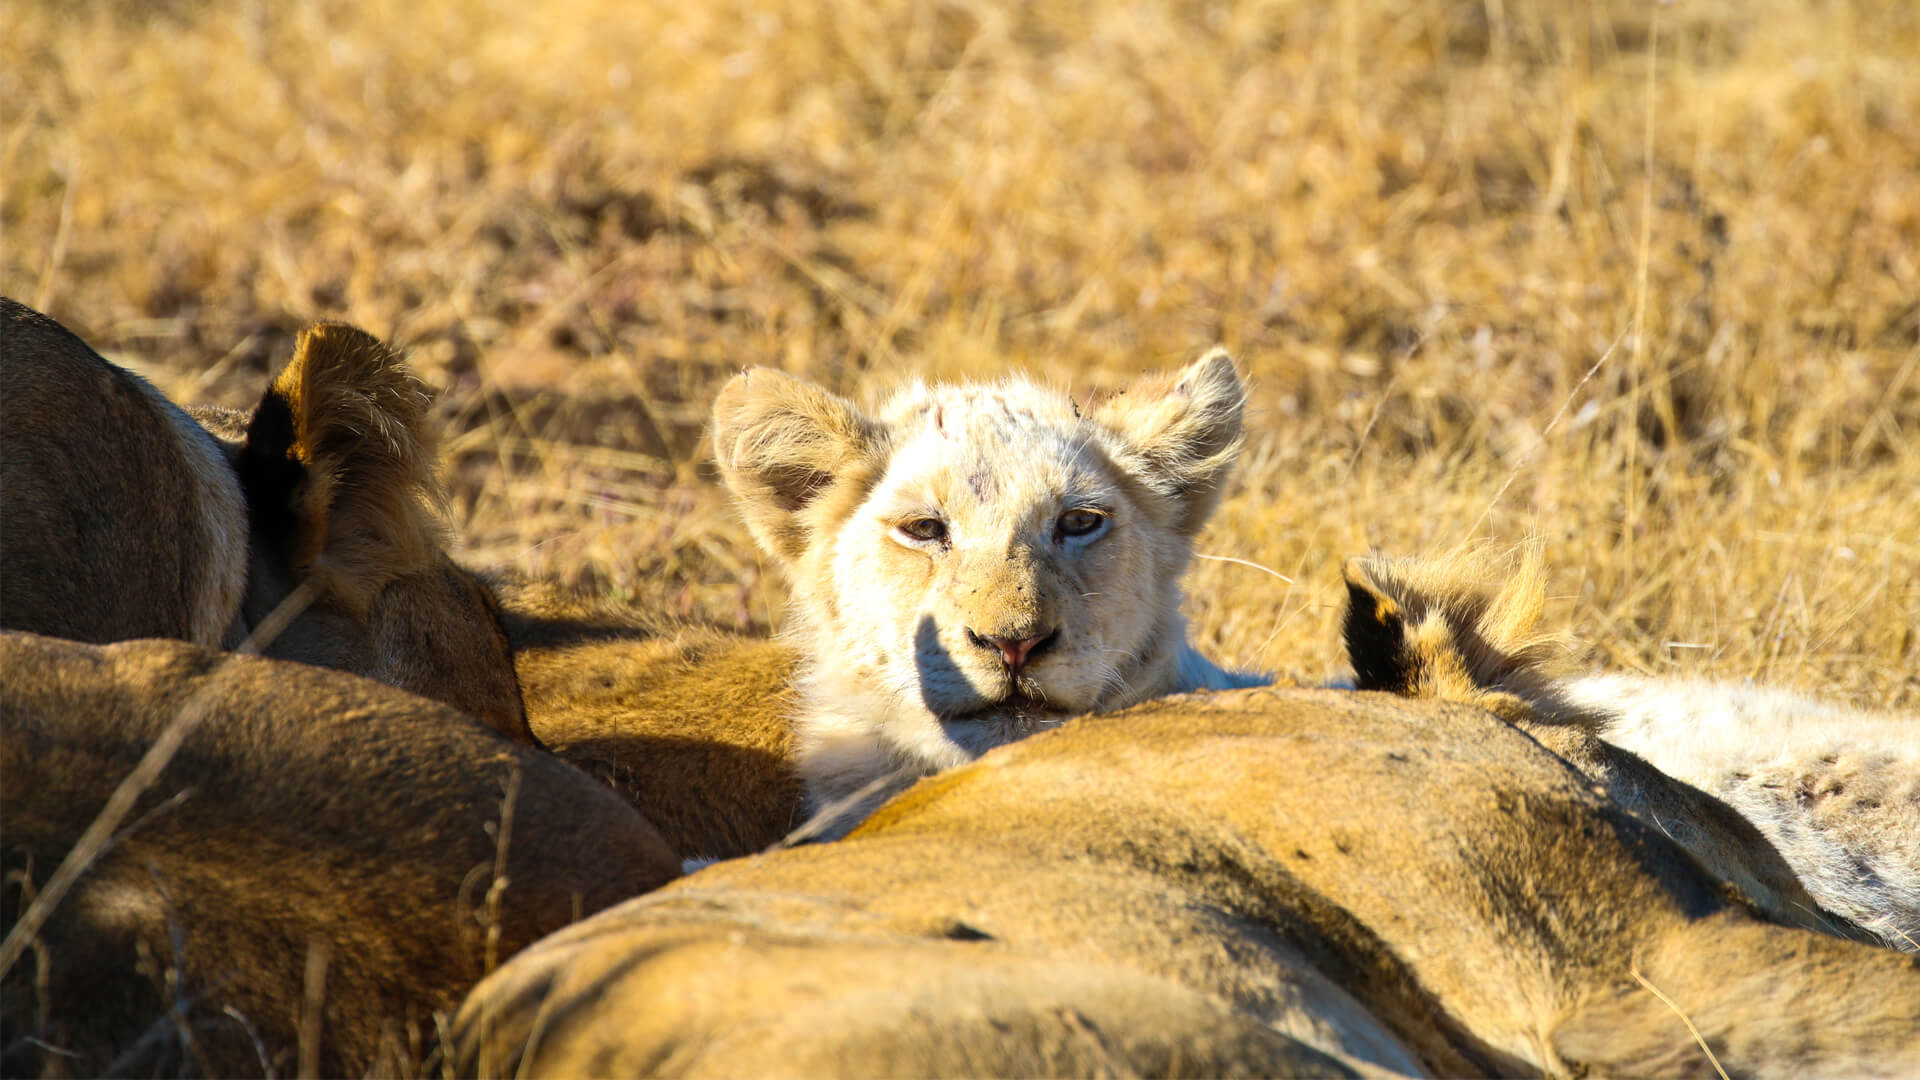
x=1000 y=567
x=973 y=562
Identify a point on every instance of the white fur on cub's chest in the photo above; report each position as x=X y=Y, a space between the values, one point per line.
x=932 y=543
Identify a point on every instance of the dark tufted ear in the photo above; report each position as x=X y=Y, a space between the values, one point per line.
x=782 y=443
x=1376 y=635
x=339 y=462
x=1183 y=431
x=342 y=487
x=1449 y=626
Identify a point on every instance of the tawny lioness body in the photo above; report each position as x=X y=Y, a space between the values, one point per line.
x=973 y=563
x=691 y=725
x=319 y=809
x=1810 y=807
x=1263 y=881
x=122 y=516
x=322 y=863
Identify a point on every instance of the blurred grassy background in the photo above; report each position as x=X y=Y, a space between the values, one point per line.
x=1641 y=280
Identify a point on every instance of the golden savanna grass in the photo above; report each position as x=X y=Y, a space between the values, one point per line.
x=1640 y=280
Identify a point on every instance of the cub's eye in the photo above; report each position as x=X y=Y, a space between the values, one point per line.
x=1080 y=522
x=925 y=530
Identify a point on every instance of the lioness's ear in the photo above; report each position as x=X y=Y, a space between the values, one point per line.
x=1184 y=431
x=339 y=462
x=1376 y=634
x=781 y=443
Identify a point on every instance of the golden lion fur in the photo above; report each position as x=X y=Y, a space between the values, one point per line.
x=1265 y=881
x=310 y=528
x=306 y=813
x=119 y=516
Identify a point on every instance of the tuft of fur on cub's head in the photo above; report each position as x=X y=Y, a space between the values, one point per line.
x=970 y=563
x=1461 y=627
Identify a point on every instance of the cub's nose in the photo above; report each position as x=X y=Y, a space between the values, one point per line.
x=1015 y=654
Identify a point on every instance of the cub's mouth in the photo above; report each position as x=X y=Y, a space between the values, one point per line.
x=1017 y=703
x=1001 y=722
x=1021 y=701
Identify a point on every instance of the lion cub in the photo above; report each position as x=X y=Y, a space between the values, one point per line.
x=973 y=563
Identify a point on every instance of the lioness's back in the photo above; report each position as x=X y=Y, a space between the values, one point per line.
x=139 y=531
x=1405 y=886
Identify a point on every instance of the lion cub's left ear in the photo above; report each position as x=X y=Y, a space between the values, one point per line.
x=1185 y=431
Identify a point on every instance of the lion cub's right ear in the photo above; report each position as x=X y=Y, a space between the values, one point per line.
x=783 y=444
x=1183 y=432
x=1455 y=627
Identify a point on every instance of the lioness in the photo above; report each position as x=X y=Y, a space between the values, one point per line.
x=121 y=516
x=1268 y=882
x=1820 y=822
x=974 y=563
x=312 y=524
x=691 y=725
x=322 y=863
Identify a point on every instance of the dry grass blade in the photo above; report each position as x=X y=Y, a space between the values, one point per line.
x=1246 y=563
x=1691 y=1029
x=313 y=997
x=497 y=888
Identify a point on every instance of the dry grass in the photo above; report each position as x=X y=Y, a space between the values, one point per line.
x=1419 y=223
